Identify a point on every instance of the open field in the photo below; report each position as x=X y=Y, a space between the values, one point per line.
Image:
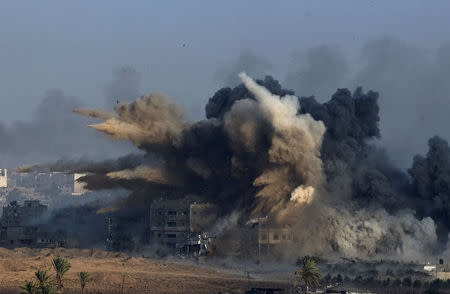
x=111 y=270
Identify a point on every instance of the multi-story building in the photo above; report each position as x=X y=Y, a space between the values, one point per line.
x=169 y=223
x=178 y=223
x=267 y=237
x=15 y=229
x=16 y=236
x=49 y=182
x=15 y=214
x=78 y=187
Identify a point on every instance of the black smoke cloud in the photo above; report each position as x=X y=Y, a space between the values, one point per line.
x=236 y=158
x=319 y=71
x=431 y=183
x=365 y=205
x=413 y=83
x=223 y=99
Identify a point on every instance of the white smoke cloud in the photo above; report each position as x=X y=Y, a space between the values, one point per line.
x=294 y=154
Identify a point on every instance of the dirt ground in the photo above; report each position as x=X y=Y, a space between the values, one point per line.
x=111 y=270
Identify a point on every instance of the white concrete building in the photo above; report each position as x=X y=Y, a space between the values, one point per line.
x=3 y=178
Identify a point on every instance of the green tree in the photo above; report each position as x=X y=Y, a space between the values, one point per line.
x=61 y=266
x=85 y=277
x=45 y=283
x=309 y=274
x=28 y=288
x=49 y=289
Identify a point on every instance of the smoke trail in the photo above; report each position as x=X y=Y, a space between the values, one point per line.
x=140 y=172
x=148 y=122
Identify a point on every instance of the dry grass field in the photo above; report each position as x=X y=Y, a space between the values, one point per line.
x=111 y=271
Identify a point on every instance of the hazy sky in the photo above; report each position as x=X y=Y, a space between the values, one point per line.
x=186 y=48
x=74 y=45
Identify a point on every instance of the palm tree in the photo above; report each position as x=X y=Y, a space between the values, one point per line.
x=84 y=278
x=45 y=283
x=28 y=288
x=61 y=266
x=309 y=273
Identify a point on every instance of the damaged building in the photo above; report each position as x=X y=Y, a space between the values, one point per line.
x=46 y=182
x=267 y=238
x=183 y=225
x=179 y=224
x=17 y=228
x=15 y=214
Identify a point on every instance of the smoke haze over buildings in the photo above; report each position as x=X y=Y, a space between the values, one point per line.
x=360 y=171
x=264 y=151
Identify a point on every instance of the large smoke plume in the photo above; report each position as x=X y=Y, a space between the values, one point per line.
x=413 y=82
x=267 y=127
x=263 y=151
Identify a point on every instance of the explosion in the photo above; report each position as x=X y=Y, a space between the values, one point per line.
x=267 y=127
x=261 y=151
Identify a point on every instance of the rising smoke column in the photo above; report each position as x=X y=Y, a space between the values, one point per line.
x=294 y=165
x=363 y=209
x=262 y=151
x=431 y=183
x=267 y=127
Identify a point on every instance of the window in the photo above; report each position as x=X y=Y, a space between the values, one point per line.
x=263 y=237
x=171 y=224
x=275 y=236
x=171 y=212
x=171 y=236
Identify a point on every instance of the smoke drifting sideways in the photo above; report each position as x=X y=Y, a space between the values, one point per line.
x=54 y=132
x=411 y=80
x=262 y=151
